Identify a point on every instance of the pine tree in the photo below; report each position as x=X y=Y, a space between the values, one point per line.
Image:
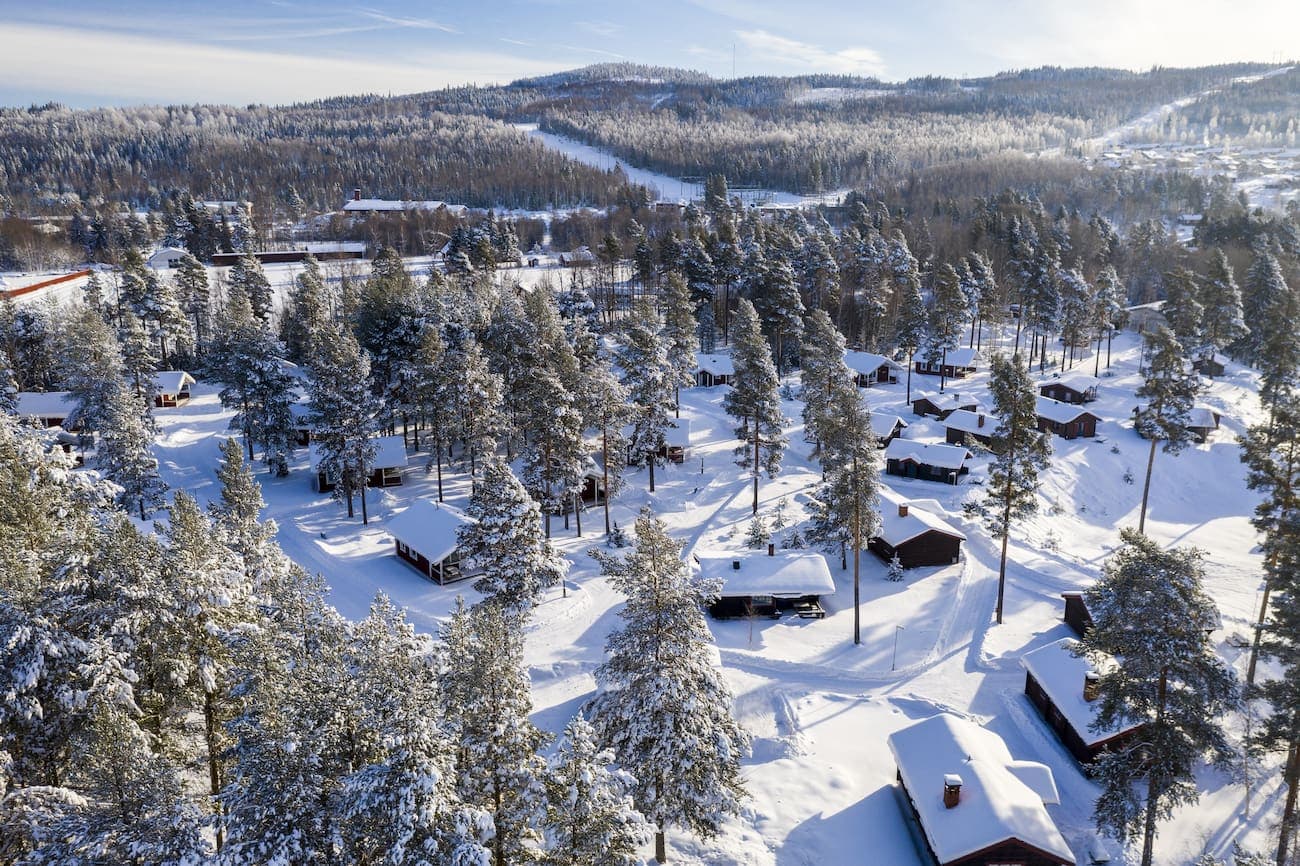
x=432 y=396
x=1078 y=299
x=663 y=708
x=947 y=320
x=910 y=321
x=781 y=310
x=1182 y=307
x=754 y=400
x=247 y=276
x=486 y=705
x=1223 y=320
x=8 y=387
x=1109 y=311
x=90 y=362
x=679 y=337
x=1264 y=299
x=124 y=452
x=1169 y=389
x=647 y=376
x=1152 y=616
x=604 y=404
x=1020 y=453
x=821 y=369
x=308 y=313
x=590 y=819
x=507 y=543
x=477 y=401
x=342 y=415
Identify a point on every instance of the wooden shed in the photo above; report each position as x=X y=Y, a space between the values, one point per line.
x=171 y=388
x=1202 y=421
x=869 y=369
x=385 y=471
x=973 y=803
x=1073 y=387
x=758 y=583
x=1065 y=419
x=51 y=408
x=426 y=536
x=1077 y=616
x=714 y=369
x=942 y=405
x=886 y=428
x=914 y=532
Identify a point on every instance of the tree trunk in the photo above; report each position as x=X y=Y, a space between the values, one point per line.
x=1259 y=634
x=1146 y=487
x=1002 y=563
x=577 y=512
x=943 y=365
x=1110 y=335
x=1154 y=793
x=1291 y=778
x=910 y=364
x=652 y=472
x=365 y=515
x=661 y=845
x=604 y=465
x=437 y=452
x=756 y=438
x=857 y=558
x=214 y=768
x=1096 y=360
x=350 y=513
x=677 y=401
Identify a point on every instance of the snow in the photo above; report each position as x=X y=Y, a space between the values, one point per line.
x=1075 y=379
x=430 y=528
x=1058 y=412
x=995 y=802
x=963 y=357
x=44 y=404
x=884 y=424
x=967 y=421
x=930 y=454
x=366 y=205
x=714 y=363
x=821 y=777
x=948 y=401
x=868 y=363
x=390 y=453
x=1061 y=674
x=787 y=573
x=171 y=381
x=897 y=528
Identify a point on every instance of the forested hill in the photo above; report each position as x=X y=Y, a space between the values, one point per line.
x=803 y=134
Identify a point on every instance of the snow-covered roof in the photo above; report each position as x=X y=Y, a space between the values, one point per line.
x=883 y=424
x=385 y=204
x=962 y=357
x=787 y=573
x=868 y=362
x=898 y=529
x=166 y=255
x=1001 y=798
x=390 y=453
x=1061 y=675
x=45 y=404
x=334 y=247
x=715 y=363
x=1203 y=417
x=430 y=528
x=948 y=400
x=1075 y=380
x=930 y=454
x=171 y=381
x=678 y=433
x=979 y=423
x=1058 y=412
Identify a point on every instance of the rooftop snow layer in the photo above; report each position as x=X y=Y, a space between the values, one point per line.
x=948 y=400
x=1061 y=674
x=883 y=424
x=868 y=362
x=898 y=529
x=430 y=528
x=45 y=404
x=933 y=454
x=787 y=573
x=997 y=803
x=715 y=364
x=969 y=422
x=390 y=453
x=171 y=381
x=1058 y=412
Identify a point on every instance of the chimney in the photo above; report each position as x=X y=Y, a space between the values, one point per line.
x=735 y=565
x=980 y=422
x=1091 y=686
x=771 y=549
x=951 y=790
x=902 y=509
x=356 y=194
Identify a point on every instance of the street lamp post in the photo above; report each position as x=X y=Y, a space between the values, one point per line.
x=894 y=659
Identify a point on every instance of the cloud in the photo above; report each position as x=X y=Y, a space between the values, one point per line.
x=124 y=68
x=600 y=28
x=781 y=50
x=399 y=21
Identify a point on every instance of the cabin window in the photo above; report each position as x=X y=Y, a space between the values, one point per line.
x=403 y=549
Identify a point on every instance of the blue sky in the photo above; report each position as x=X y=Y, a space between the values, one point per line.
x=89 y=52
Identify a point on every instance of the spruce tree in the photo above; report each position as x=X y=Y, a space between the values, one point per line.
x=1109 y=311
x=1152 y=617
x=124 y=455
x=604 y=404
x=755 y=401
x=308 y=312
x=477 y=402
x=910 y=320
x=663 y=707
x=679 y=337
x=8 y=387
x=247 y=276
x=821 y=369
x=506 y=542
x=947 y=319
x=1078 y=300
x=647 y=376
x=1223 y=320
x=590 y=819
x=1265 y=298
x=1020 y=453
x=1182 y=307
x=194 y=295
x=342 y=415
x=1169 y=389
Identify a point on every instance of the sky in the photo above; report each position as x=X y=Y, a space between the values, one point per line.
x=119 y=52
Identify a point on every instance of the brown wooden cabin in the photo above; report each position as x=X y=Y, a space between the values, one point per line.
x=868 y=368
x=426 y=536
x=962 y=427
x=886 y=428
x=927 y=462
x=1202 y=421
x=1210 y=364
x=918 y=537
x=171 y=388
x=1072 y=389
x=386 y=471
x=771 y=585
x=956 y=365
x=1077 y=616
x=1062 y=688
x=1065 y=420
x=942 y=405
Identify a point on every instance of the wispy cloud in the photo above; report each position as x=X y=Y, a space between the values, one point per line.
x=586 y=49
x=771 y=48
x=600 y=28
x=401 y=21
x=293 y=33
x=522 y=42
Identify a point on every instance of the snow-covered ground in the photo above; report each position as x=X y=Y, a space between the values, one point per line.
x=821 y=778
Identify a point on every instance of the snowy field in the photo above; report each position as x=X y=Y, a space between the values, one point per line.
x=821 y=778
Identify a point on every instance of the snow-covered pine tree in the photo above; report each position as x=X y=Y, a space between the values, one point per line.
x=990 y=304
x=781 y=310
x=663 y=708
x=679 y=337
x=1109 y=310
x=308 y=313
x=590 y=818
x=947 y=319
x=1042 y=299
x=1264 y=297
x=90 y=364
x=896 y=572
x=758 y=534
x=754 y=400
x=1078 y=299
x=647 y=376
x=846 y=512
x=486 y=705
x=507 y=543
x=1169 y=390
x=821 y=368
x=124 y=455
x=604 y=404
x=8 y=386
x=1020 y=453
x=511 y=346
x=237 y=513
x=247 y=276
x=1223 y=321
x=1182 y=307
x=1150 y=641
x=477 y=401
x=342 y=415
x=432 y=397
x=194 y=295
x=910 y=315
x=139 y=361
